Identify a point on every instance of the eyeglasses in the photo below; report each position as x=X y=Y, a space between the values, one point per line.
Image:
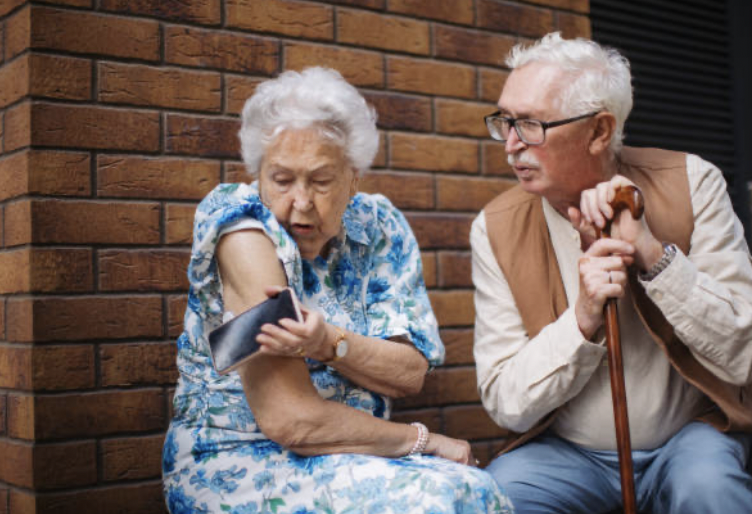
x=530 y=132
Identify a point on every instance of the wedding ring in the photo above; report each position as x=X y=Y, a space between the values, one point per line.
x=300 y=352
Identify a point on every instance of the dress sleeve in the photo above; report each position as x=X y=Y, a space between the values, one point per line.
x=219 y=213
x=396 y=299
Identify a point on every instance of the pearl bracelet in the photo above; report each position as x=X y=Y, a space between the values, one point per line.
x=422 y=441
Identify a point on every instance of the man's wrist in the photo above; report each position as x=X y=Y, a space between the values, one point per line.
x=669 y=252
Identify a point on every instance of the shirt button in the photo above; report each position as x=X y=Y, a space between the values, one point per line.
x=658 y=295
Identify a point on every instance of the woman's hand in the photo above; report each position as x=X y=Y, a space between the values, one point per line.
x=455 y=450
x=292 y=338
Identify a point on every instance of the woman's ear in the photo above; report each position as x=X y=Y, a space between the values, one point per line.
x=605 y=126
x=355 y=182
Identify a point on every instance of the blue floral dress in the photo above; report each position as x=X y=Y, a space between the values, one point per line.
x=216 y=459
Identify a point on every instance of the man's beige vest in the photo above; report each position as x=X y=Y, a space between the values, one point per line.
x=520 y=240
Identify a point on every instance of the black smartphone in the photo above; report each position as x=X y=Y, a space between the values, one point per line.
x=235 y=341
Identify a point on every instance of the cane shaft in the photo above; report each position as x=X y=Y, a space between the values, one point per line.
x=621 y=416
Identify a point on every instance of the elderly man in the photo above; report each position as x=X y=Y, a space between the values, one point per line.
x=682 y=275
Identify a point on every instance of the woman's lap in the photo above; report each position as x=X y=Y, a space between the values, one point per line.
x=239 y=483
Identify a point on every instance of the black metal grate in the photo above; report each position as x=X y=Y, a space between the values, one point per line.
x=680 y=53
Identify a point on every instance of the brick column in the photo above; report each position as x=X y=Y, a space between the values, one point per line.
x=117 y=117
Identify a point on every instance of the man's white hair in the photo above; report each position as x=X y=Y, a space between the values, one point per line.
x=599 y=77
x=316 y=97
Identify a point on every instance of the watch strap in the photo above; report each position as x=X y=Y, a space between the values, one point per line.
x=669 y=252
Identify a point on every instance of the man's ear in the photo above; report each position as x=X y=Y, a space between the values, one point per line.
x=603 y=130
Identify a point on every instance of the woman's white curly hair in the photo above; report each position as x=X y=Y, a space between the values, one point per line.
x=600 y=79
x=315 y=97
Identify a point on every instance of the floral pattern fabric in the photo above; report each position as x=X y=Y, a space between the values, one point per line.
x=216 y=459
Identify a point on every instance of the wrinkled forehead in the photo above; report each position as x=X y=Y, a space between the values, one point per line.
x=533 y=91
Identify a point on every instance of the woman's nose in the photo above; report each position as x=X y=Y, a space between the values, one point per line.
x=302 y=201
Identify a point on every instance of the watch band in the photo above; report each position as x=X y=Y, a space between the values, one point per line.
x=669 y=252
x=339 y=340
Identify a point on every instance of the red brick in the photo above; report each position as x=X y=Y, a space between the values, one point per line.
x=514 y=18
x=363 y=28
x=94 y=127
x=204 y=12
x=432 y=153
x=3 y=491
x=18 y=32
x=468 y=193
x=15 y=363
x=429 y=268
x=176 y=306
x=360 y=68
x=444 y=386
x=138 y=364
x=45 y=270
x=235 y=172
x=142 y=498
x=287 y=17
x=171 y=88
x=14 y=81
x=3 y=409
x=8 y=5
x=458 y=11
x=17 y=127
x=17 y=464
x=143 y=270
x=65 y=367
x=132 y=458
x=44 y=173
x=430 y=77
x=462 y=118
x=208 y=49
x=179 y=223
x=573 y=25
x=89 y=33
x=458 y=343
x=237 y=90
x=204 y=137
x=431 y=418
x=139 y=177
x=77 y=221
x=21 y=501
x=471 y=422
x=402 y=112
x=65 y=465
x=441 y=230
x=55 y=76
x=453 y=308
x=495 y=159
x=405 y=190
x=371 y=4
x=582 y=6
x=83 y=318
x=455 y=269
x=96 y=414
x=48 y=466
x=491 y=84
x=20 y=416
x=474 y=46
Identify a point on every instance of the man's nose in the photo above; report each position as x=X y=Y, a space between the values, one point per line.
x=514 y=144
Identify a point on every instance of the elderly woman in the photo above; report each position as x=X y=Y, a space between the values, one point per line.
x=301 y=427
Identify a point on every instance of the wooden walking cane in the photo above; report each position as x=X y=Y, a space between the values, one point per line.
x=626 y=198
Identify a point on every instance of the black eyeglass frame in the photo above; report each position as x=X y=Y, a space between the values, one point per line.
x=544 y=124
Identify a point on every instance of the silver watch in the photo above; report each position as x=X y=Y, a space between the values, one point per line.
x=669 y=252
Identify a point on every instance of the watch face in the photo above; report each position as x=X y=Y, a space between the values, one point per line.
x=341 y=349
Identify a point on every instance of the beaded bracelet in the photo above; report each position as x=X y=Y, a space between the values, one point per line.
x=422 y=441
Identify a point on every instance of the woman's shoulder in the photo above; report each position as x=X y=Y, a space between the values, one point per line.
x=375 y=214
x=228 y=195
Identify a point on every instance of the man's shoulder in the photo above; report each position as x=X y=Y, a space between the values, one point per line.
x=652 y=158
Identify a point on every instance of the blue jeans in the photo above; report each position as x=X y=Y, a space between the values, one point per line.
x=699 y=470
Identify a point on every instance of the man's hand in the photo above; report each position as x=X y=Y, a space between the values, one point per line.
x=596 y=211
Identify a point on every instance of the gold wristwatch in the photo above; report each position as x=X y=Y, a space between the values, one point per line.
x=340 y=345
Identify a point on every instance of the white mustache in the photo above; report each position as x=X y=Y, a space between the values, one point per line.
x=522 y=159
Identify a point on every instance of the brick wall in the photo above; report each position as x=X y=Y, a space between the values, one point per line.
x=117 y=117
